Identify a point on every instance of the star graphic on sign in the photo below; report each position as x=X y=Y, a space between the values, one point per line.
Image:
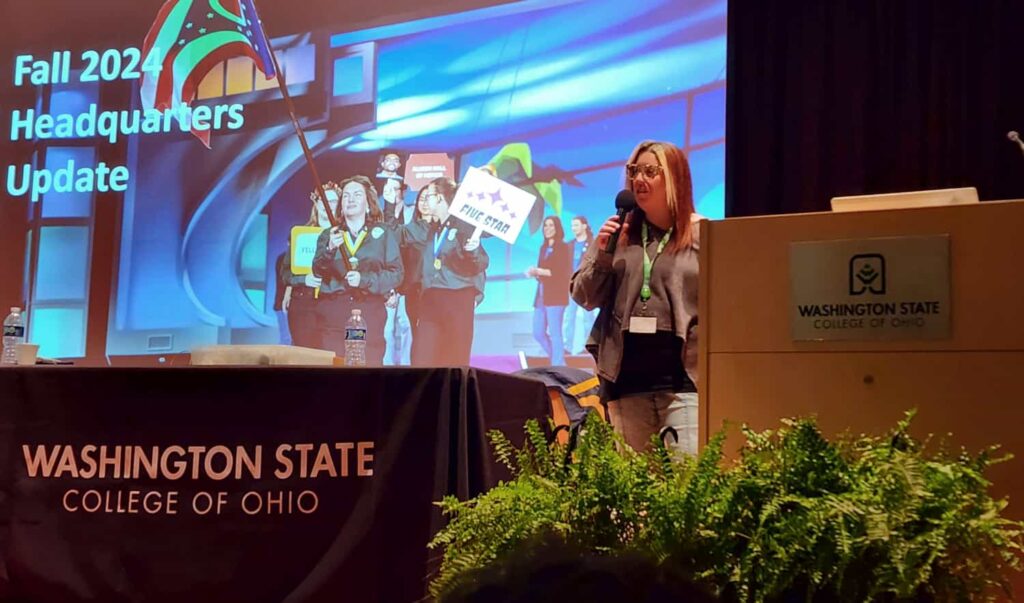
x=202 y=30
x=495 y=197
x=181 y=42
x=188 y=25
x=209 y=15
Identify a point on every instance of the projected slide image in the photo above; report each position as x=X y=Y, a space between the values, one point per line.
x=223 y=238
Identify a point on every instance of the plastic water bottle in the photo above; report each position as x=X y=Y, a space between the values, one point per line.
x=14 y=333
x=355 y=340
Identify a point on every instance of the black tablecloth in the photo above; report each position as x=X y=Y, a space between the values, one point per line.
x=230 y=442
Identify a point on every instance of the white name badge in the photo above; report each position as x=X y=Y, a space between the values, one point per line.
x=643 y=324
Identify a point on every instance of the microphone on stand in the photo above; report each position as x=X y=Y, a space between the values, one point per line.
x=1015 y=137
x=625 y=201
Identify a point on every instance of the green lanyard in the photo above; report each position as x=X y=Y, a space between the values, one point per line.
x=645 y=291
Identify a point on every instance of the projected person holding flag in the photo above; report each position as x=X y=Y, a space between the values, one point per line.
x=360 y=265
x=453 y=273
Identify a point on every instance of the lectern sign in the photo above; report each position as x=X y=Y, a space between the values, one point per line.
x=885 y=288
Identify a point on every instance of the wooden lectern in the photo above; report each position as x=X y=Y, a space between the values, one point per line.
x=969 y=384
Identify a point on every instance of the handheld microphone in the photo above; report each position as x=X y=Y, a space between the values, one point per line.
x=625 y=201
x=1012 y=135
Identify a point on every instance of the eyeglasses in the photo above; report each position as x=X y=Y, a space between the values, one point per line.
x=649 y=169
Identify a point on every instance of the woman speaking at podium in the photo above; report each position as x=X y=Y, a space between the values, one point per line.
x=645 y=336
x=360 y=265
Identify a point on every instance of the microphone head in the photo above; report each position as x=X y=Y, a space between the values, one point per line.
x=625 y=200
x=1012 y=135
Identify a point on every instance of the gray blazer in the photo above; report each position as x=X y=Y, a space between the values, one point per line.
x=612 y=283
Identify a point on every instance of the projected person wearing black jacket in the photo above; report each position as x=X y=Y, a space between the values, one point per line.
x=360 y=265
x=412 y=237
x=453 y=272
x=299 y=300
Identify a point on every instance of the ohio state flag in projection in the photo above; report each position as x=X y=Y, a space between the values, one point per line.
x=191 y=37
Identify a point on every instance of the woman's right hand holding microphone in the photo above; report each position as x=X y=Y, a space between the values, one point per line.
x=609 y=228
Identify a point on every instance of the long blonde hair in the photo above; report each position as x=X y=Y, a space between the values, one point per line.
x=678 y=188
x=315 y=198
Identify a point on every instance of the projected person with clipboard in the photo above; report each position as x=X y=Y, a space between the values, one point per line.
x=296 y=270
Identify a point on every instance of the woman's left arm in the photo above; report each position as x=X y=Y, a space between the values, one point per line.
x=690 y=351
x=563 y=265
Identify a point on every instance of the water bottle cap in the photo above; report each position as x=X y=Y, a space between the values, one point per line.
x=357 y=312
x=15 y=310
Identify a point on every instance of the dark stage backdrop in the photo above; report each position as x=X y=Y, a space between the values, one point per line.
x=871 y=96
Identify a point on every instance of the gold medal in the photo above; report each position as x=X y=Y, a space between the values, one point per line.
x=437 y=264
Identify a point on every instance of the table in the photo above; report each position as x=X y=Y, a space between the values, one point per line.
x=239 y=484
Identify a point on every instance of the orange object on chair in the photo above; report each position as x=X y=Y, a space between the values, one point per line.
x=561 y=417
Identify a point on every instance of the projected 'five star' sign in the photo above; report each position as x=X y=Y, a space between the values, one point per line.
x=495 y=199
x=491 y=206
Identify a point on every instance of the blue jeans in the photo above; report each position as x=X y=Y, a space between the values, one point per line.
x=397 y=336
x=547 y=330
x=283 y=334
x=578 y=321
x=639 y=416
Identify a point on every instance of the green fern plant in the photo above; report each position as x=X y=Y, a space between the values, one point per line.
x=794 y=517
x=596 y=499
x=864 y=519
